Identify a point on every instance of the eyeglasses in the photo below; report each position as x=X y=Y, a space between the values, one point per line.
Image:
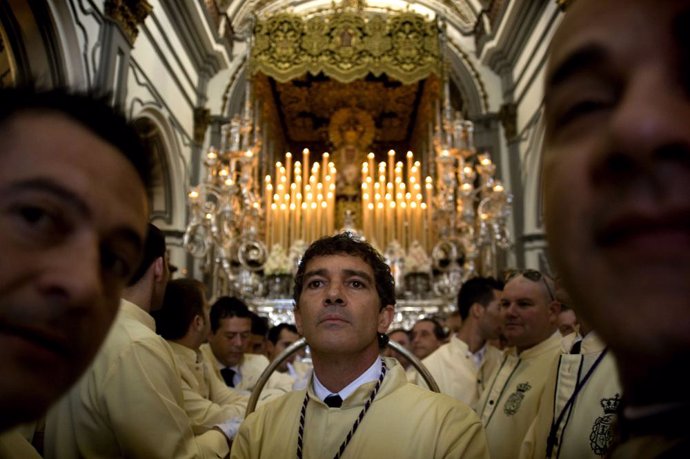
x=531 y=274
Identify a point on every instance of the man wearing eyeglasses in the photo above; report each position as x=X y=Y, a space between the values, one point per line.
x=509 y=404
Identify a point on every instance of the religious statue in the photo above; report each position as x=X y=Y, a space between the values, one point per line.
x=351 y=132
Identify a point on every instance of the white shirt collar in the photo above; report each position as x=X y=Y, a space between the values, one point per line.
x=371 y=374
x=478 y=357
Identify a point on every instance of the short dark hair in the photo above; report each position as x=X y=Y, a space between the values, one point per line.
x=349 y=244
x=154 y=247
x=183 y=300
x=226 y=307
x=477 y=290
x=259 y=324
x=439 y=331
x=89 y=110
x=276 y=330
x=396 y=330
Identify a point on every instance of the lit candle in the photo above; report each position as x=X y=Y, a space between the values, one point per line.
x=391 y=164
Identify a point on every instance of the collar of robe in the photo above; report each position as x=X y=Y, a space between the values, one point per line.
x=353 y=429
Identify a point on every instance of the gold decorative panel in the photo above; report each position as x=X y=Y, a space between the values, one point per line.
x=346 y=46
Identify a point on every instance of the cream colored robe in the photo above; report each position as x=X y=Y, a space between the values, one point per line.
x=13 y=445
x=511 y=400
x=405 y=421
x=129 y=403
x=456 y=373
x=586 y=429
x=207 y=400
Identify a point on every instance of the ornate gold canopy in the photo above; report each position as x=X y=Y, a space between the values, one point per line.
x=347 y=46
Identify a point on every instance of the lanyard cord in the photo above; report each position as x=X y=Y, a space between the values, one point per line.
x=353 y=429
x=553 y=433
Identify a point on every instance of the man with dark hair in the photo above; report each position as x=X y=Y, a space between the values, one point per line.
x=73 y=212
x=617 y=201
x=426 y=336
x=184 y=322
x=131 y=396
x=356 y=403
x=293 y=373
x=231 y=327
x=279 y=338
x=257 y=340
x=462 y=367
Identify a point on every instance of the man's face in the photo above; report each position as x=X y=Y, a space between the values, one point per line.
x=402 y=339
x=229 y=342
x=285 y=339
x=617 y=169
x=490 y=321
x=567 y=322
x=256 y=345
x=424 y=341
x=73 y=215
x=529 y=316
x=339 y=310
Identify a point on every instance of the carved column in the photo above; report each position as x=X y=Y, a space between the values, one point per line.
x=119 y=31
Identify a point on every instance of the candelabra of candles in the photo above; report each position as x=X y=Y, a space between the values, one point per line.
x=226 y=214
x=471 y=208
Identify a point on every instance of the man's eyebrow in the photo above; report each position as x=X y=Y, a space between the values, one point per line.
x=315 y=272
x=357 y=273
x=348 y=272
x=587 y=57
x=49 y=186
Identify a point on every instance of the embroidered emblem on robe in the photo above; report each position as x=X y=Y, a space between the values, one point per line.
x=513 y=403
x=602 y=431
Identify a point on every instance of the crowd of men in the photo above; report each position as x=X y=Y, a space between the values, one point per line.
x=104 y=356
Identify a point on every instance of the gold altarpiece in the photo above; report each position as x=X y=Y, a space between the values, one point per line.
x=367 y=66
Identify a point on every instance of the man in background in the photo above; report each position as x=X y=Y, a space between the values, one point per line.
x=184 y=322
x=402 y=337
x=510 y=401
x=462 y=367
x=73 y=212
x=257 y=341
x=293 y=373
x=426 y=336
x=231 y=326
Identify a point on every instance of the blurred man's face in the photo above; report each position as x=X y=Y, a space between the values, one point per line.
x=567 y=322
x=617 y=170
x=70 y=237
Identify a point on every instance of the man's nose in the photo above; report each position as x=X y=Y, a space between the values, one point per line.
x=72 y=272
x=648 y=127
x=334 y=294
